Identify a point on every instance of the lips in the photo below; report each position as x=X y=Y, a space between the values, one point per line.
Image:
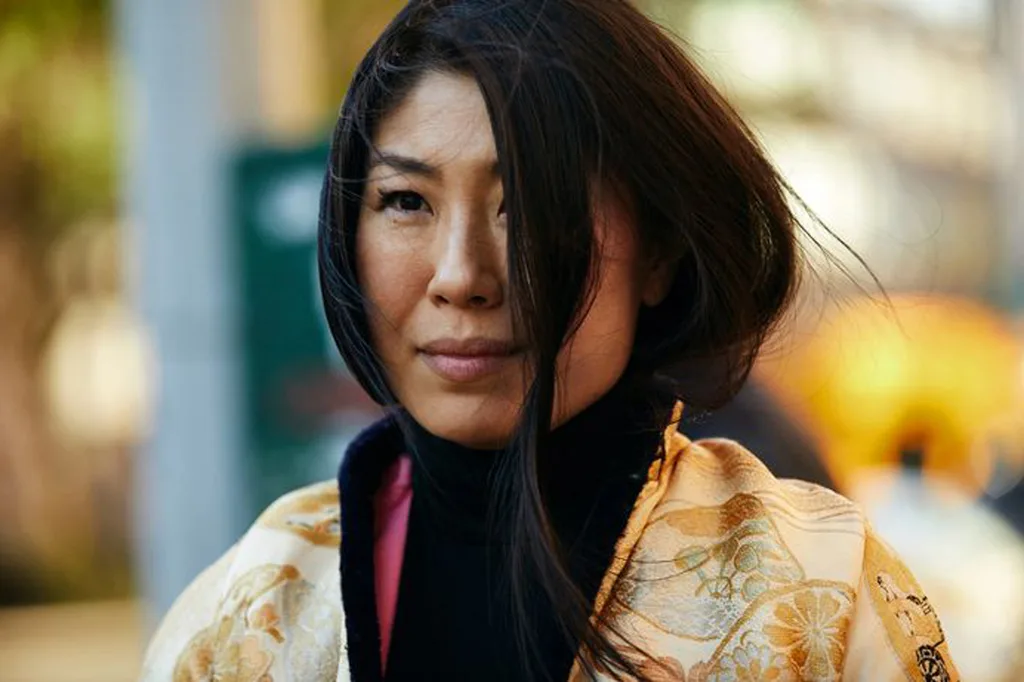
x=467 y=360
x=477 y=346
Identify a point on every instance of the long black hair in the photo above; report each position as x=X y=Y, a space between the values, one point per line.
x=578 y=91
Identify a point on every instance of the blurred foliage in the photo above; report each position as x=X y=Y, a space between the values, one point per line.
x=57 y=116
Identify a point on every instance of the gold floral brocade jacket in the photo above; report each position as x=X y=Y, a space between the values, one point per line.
x=724 y=573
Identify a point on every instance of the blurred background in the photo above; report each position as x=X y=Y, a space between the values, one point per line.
x=165 y=371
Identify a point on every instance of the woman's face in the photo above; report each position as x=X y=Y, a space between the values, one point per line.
x=431 y=246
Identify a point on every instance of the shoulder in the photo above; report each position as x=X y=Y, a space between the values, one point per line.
x=735 y=571
x=715 y=500
x=270 y=606
x=721 y=479
x=732 y=563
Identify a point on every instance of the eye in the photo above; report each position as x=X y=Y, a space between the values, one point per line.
x=501 y=209
x=404 y=201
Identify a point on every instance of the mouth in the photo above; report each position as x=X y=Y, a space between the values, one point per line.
x=468 y=360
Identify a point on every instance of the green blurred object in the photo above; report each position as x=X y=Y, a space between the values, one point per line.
x=294 y=387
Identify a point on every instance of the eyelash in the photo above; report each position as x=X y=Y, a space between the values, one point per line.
x=391 y=199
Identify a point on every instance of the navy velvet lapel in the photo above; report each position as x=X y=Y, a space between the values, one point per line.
x=359 y=478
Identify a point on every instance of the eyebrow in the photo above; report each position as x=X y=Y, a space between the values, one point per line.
x=414 y=166
x=405 y=164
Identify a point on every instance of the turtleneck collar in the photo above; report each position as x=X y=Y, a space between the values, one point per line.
x=614 y=438
x=595 y=466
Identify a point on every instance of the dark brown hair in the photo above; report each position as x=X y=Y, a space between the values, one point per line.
x=578 y=90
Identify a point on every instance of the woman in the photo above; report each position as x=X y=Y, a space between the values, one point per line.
x=540 y=227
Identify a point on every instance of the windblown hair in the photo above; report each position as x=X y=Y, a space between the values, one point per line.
x=583 y=96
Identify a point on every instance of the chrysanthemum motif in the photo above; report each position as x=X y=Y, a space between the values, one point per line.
x=753 y=660
x=811 y=629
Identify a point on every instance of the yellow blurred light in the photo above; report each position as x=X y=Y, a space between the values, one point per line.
x=99 y=374
x=936 y=374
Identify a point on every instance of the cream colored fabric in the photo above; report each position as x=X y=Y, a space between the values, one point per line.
x=269 y=610
x=723 y=574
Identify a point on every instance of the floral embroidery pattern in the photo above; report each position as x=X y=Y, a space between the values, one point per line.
x=221 y=653
x=754 y=660
x=811 y=629
x=313 y=514
x=270 y=614
x=749 y=558
x=745 y=558
x=792 y=635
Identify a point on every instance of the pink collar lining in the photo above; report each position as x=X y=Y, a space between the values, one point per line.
x=391 y=512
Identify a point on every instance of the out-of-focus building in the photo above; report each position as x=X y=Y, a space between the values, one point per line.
x=891 y=118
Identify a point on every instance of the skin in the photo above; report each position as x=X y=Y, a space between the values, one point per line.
x=431 y=250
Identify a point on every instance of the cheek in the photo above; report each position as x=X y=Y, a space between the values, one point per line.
x=389 y=277
x=611 y=319
x=610 y=324
x=597 y=355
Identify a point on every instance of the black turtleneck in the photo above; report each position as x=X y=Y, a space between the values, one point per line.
x=453 y=619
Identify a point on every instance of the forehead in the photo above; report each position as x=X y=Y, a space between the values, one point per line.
x=442 y=120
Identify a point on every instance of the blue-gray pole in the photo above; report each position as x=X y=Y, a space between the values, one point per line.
x=185 y=84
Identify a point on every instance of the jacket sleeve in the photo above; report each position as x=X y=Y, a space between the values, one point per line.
x=194 y=609
x=895 y=634
x=269 y=609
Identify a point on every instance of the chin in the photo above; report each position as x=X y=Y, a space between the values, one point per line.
x=474 y=421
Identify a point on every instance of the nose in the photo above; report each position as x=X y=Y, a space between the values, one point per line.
x=469 y=265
